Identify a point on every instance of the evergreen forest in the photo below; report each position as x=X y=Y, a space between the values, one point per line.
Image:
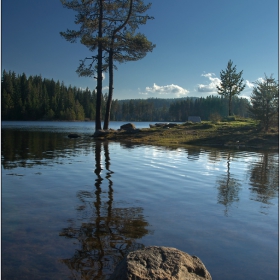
x=35 y=98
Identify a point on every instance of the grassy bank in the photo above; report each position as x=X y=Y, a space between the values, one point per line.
x=239 y=132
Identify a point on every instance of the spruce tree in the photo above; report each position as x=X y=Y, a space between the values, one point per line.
x=265 y=101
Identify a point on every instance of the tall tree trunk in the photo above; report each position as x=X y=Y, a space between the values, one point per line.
x=99 y=70
x=111 y=65
x=111 y=88
x=229 y=105
x=267 y=118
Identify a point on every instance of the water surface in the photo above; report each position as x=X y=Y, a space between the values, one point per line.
x=72 y=208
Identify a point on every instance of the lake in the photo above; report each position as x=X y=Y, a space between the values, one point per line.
x=72 y=208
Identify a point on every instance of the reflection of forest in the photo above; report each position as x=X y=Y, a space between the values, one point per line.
x=264 y=178
x=104 y=233
x=28 y=148
x=228 y=187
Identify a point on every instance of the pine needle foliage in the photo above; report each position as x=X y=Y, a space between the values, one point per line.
x=265 y=102
x=108 y=29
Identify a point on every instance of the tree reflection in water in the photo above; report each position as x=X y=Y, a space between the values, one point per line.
x=105 y=234
x=264 y=178
x=228 y=188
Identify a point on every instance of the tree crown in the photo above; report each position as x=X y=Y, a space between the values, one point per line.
x=265 y=101
x=120 y=20
x=231 y=81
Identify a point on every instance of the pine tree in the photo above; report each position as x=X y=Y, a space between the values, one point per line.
x=231 y=84
x=7 y=105
x=101 y=25
x=7 y=90
x=125 y=46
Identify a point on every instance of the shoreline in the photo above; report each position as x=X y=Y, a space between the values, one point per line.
x=243 y=134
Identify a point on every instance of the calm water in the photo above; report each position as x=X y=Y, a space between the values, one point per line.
x=72 y=208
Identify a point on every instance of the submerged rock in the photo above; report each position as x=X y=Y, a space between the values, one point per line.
x=74 y=135
x=160 y=263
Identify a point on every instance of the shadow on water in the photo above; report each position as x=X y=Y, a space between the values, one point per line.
x=103 y=232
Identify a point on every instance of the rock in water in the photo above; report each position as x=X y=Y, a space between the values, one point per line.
x=74 y=135
x=160 y=263
x=128 y=126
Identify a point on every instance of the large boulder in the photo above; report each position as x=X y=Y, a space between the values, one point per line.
x=160 y=263
x=128 y=126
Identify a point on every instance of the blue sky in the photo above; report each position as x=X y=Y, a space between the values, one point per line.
x=194 y=42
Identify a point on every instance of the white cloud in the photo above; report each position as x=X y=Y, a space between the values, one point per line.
x=260 y=80
x=249 y=84
x=211 y=86
x=169 y=90
x=249 y=88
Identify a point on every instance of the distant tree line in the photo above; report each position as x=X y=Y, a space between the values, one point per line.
x=35 y=98
x=156 y=109
x=209 y=108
